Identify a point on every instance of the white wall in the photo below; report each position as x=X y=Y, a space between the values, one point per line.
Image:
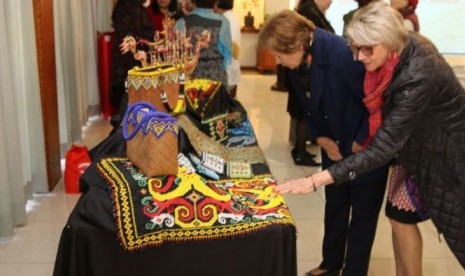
x=337 y=10
x=441 y=21
x=248 y=53
x=272 y=6
x=256 y=8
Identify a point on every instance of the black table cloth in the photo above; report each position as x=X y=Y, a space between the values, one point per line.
x=89 y=246
x=91 y=241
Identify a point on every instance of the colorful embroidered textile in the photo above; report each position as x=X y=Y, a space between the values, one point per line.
x=201 y=143
x=205 y=100
x=241 y=136
x=216 y=127
x=200 y=93
x=186 y=207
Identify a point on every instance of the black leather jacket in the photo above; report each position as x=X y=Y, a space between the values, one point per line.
x=424 y=129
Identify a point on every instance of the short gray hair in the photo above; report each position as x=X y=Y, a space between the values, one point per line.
x=378 y=23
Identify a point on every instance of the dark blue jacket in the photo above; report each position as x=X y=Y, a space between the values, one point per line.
x=331 y=93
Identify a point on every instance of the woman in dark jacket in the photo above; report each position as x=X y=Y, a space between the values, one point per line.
x=346 y=18
x=329 y=86
x=129 y=17
x=315 y=11
x=161 y=9
x=417 y=117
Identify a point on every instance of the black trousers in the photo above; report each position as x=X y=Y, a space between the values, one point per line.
x=351 y=217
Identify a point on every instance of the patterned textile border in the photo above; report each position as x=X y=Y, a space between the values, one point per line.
x=187 y=207
x=200 y=93
x=152 y=77
x=201 y=142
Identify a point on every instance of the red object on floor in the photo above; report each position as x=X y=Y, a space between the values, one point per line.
x=77 y=160
x=105 y=41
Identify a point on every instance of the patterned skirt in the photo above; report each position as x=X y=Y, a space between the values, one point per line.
x=404 y=203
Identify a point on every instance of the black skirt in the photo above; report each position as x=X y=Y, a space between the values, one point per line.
x=407 y=217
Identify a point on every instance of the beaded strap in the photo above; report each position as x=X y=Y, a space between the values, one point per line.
x=180 y=102
x=147 y=112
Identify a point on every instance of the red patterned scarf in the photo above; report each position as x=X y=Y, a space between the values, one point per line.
x=375 y=84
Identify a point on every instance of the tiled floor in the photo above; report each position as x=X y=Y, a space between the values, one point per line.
x=33 y=248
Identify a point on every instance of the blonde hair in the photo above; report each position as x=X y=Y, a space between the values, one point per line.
x=286 y=32
x=376 y=23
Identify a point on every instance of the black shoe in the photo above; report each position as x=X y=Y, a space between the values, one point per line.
x=311 y=155
x=335 y=272
x=305 y=153
x=276 y=87
x=303 y=159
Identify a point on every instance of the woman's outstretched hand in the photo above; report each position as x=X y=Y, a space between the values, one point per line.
x=296 y=186
x=305 y=184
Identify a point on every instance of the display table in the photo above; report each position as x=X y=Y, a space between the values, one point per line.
x=125 y=224
x=89 y=246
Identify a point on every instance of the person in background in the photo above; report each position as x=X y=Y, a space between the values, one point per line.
x=417 y=117
x=407 y=9
x=314 y=10
x=233 y=70
x=187 y=6
x=213 y=60
x=348 y=16
x=160 y=9
x=329 y=85
x=129 y=17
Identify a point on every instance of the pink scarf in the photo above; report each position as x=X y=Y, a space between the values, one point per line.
x=375 y=84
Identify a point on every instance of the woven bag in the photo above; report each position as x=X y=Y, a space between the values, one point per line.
x=161 y=86
x=152 y=139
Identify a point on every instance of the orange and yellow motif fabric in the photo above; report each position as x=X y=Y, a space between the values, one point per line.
x=186 y=207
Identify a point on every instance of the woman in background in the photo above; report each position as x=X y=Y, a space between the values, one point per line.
x=187 y=6
x=213 y=60
x=348 y=16
x=407 y=9
x=160 y=9
x=225 y=7
x=129 y=17
x=315 y=10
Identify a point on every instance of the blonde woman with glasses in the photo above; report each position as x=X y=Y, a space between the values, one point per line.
x=417 y=118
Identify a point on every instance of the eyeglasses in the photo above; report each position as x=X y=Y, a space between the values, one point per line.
x=367 y=50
